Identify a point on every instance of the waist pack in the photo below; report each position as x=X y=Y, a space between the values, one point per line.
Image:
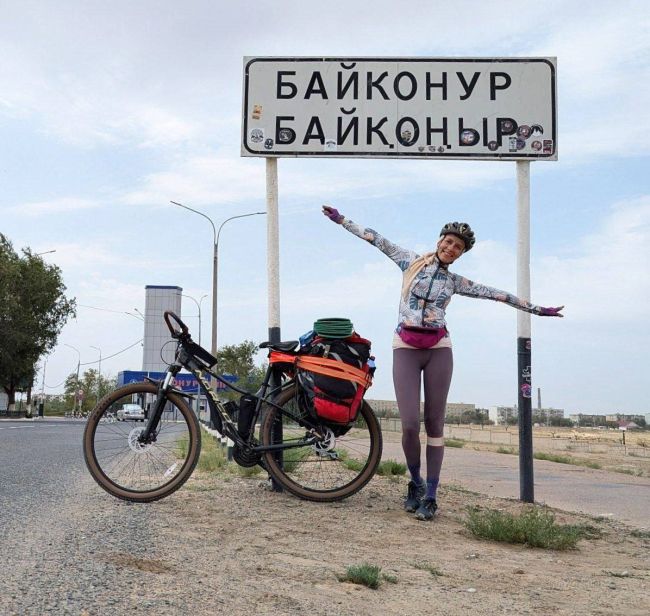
x=421 y=337
x=334 y=375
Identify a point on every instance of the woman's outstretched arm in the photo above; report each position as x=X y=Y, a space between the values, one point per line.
x=469 y=288
x=401 y=256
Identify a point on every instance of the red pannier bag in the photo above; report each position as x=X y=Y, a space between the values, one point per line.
x=333 y=376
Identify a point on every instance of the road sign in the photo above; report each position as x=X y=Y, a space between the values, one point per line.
x=466 y=108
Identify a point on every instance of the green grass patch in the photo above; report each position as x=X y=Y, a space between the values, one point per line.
x=350 y=463
x=641 y=534
x=353 y=465
x=392 y=579
x=365 y=575
x=554 y=457
x=291 y=458
x=212 y=456
x=389 y=468
x=455 y=442
x=432 y=569
x=535 y=527
x=510 y=450
x=182 y=446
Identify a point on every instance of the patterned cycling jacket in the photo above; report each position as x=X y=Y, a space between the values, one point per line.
x=432 y=288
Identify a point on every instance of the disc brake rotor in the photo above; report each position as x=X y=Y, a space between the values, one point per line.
x=325 y=446
x=135 y=444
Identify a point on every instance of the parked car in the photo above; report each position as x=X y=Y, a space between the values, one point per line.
x=130 y=412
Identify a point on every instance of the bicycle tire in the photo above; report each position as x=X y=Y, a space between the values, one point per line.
x=316 y=472
x=136 y=473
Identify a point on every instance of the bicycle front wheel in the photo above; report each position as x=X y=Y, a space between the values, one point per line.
x=135 y=471
x=331 y=469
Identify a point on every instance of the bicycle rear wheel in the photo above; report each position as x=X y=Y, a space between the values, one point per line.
x=333 y=468
x=131 y=470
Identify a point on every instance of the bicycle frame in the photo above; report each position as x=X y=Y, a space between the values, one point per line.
x=184 y=359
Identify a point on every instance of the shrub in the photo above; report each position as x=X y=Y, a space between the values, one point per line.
x=454 y=442
x=535 y=527
x=365 y=575
x=391 y=467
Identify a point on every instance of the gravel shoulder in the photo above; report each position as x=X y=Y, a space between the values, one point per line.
x=225 y=544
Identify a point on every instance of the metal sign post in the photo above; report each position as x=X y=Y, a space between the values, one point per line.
x=526 y=483
x=273 y=275
x=434 y=108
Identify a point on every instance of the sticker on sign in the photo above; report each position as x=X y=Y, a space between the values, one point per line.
x=467 y=108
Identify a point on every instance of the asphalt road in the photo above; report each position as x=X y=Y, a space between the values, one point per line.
x=66 y=546
x=39 y=457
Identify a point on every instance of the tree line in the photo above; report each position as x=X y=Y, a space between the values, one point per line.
x=33 y=310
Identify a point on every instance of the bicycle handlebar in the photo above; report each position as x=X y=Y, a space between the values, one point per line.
x=170 y=316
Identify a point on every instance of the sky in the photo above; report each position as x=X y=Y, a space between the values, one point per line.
x=109 y=110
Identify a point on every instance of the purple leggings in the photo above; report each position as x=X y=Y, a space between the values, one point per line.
x=436 y=365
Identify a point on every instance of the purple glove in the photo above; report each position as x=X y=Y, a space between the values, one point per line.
x=333 y=214
x=551 y=312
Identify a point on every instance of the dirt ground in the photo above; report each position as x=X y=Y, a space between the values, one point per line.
x=252 y=551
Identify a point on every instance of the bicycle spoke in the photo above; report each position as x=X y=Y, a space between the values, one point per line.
x=139 y=467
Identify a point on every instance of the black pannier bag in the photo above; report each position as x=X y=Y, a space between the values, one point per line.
x=334 y=374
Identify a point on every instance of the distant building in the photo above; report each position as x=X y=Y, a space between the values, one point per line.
x=500 y=415
x=389 y=407
x=545 y=415
x=384 y=408
x=623 y=417
x=456 y=409
x=157 y=354
x=4 y=401
x=586 y=420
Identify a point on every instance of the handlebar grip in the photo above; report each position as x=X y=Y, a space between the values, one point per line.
x=170 y=316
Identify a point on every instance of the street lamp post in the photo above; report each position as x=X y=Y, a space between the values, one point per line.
x=215 y=264
x=198 y=307
x=99 y=371
x=41 y=406
x=76 y=394
x=198 y=386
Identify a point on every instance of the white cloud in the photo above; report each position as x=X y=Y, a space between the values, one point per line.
x=138 y=81
x=55 y=206
x=205 y=180
x=603 y=278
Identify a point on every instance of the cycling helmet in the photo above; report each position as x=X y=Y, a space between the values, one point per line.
x=461 y=230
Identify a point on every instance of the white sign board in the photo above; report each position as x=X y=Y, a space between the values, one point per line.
x=468 y=108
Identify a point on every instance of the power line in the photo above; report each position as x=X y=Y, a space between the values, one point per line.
x=110 y=310
x=96 y=362
x=88 y=363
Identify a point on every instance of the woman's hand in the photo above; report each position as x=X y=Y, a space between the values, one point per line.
x=551 y=312
x=333 y=214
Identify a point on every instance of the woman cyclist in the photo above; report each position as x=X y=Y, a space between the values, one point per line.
x=422 y=346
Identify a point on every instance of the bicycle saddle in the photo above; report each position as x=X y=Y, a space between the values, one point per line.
x=289 y=345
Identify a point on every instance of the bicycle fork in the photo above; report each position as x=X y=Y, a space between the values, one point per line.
x=148 y=435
